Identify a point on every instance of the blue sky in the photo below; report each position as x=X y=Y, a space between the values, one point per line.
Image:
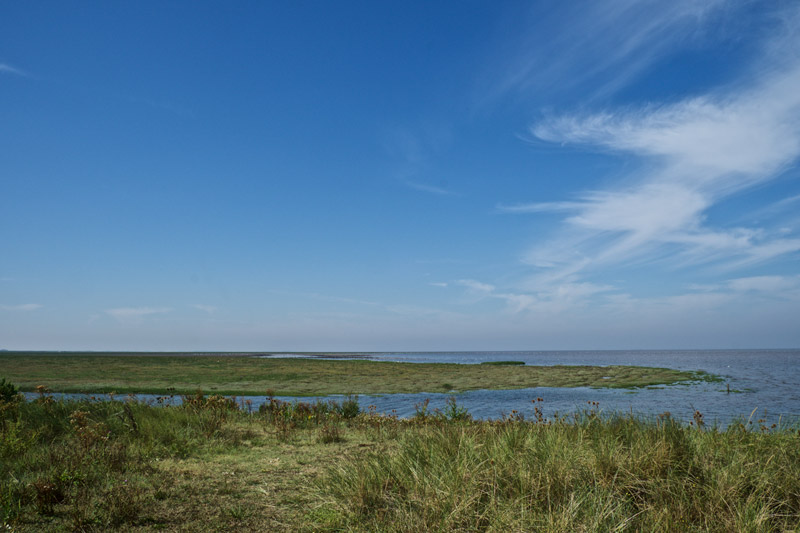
x=380 y=176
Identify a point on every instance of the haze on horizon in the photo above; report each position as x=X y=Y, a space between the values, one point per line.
x=358 y=176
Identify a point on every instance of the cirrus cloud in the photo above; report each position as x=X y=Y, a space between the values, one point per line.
x=693 y=154
x=130 y=314
x=21 y=307
x=5 y=68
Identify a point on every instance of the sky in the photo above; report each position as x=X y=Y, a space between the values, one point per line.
x=383 y=176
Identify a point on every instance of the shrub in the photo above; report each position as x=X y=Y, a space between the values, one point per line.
x=9 y=393
x=453 y=411
x=349 y=408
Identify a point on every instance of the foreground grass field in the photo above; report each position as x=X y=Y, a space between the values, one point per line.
x=232 y=375
x=210 y=466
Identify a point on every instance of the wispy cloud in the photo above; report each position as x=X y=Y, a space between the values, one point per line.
x=413 y=151
x=128 y=314
x=748 y=290
x=539 y=207
x=564 y=46
x=21 y=307
x=776 y=208
x=5 y=68
x=694 y=153
x=516 y=302
x=430 y=188
x=537 y=297
x=578 y=308
x=210 y=309
x=776 y=285
x=476 y=286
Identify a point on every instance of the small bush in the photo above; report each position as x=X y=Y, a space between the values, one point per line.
x=90 y=433
x=454 y=412
x=422 y=411
x=349 y=408
x=9 y=393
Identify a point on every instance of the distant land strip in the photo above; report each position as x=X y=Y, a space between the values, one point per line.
x=249 y=375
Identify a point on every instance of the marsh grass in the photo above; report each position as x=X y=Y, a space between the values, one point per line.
x=239 y=375
x=584 y=473
x=212 y=464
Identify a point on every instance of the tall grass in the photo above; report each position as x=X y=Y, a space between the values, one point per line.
x=67 y=465
x=582 y=474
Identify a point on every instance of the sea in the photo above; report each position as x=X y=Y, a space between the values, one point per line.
x=760 y=387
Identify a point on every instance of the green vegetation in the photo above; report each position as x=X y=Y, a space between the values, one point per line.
x=238 y=375
x=584 y=474
x=8 y=391
x=212 y=465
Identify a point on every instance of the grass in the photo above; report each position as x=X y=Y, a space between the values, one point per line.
x=210 y=466
x=619 y=474
x=240 y=375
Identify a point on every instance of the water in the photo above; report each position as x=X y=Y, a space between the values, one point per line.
x=768 y=381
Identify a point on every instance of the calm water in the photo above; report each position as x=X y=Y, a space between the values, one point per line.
x=769 y=381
